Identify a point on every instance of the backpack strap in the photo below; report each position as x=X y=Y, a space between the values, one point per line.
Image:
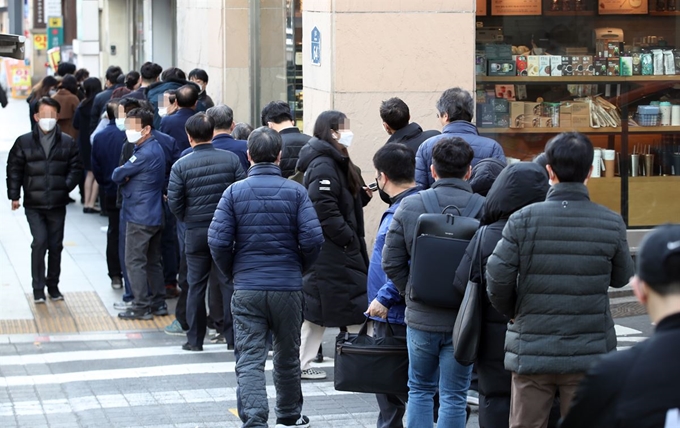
x=430 y=201
x=474 y=205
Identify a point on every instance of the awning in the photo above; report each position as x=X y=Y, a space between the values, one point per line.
x=12 y=46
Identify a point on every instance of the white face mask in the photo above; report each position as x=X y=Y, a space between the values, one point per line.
x=162 y=111
x=346 y=138
x=52 y=92
x=133 y=136
x=120 y=123
x=47 y=124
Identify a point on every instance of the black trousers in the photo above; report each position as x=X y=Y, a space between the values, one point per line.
x=199 y=267
x=392 y=407
x=112 y=236
x=170 y=246
x=220 y=291
x=181 y=308
x=47 y=229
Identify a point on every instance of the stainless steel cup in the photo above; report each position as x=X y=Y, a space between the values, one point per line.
x=676 y=163
x=649 y=165
x=634 y=165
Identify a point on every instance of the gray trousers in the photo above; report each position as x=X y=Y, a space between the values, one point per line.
x=143 y=262
x=256 y=314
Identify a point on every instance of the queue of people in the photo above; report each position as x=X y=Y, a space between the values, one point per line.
x=272 y=230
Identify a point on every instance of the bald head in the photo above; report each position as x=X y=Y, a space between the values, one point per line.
x=187 y=96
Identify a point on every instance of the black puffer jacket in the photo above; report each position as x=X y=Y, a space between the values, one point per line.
x=550 y=273
x=516 y=187
x=293 y=141
x=484 y=174
x=47 y=180
x=197 y=182
x=412 y=135
x=335 y=286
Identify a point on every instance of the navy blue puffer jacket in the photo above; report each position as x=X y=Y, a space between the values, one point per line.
x=265 y=232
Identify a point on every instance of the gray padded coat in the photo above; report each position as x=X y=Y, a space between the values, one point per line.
x=550 y=273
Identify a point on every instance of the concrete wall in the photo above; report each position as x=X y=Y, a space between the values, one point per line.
x=115 y=24
x=163 y=33
x=374 y=50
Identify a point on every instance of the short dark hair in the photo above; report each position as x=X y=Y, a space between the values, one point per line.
x=223 y=116
x=198 y=73
x=130 y=104
x=394 y=112
x=187 y=96
x=451 y=157
x=82 y=74
x=69 y=83
x=173 y=73
x=142 y=114
x=113 y=73
x=397 y=162
x=150 y=71
x=277 y=112
x=172 y=95
x=264 y=145
x=457 y=103
x=242 y=131
x=671 y=267
x=112 y=108
x=65 y=68
x=47 y=101
x=200 y=127
x=570 y=155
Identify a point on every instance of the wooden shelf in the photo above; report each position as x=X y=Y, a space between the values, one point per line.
x=575 y=79
x=631 y=130
x=561 y=13
x=653 y=129
x=666 y=13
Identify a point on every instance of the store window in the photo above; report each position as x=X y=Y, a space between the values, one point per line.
x=609 y=69
x=294 y=59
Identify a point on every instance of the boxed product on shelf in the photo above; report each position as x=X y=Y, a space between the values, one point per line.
x=657 y=61
x=544 y=65
x=521 y=65
x=501 y=67
x=613 y=49
x=551 y=111
x=532 y=121
x=580 y=109
x=577 y=65
x=555 y=65
x=516 y=119
x=647 y=63
x=676 y=58
x=500 y=105
x=637 y=63
x=668 y=63
x=533 y=65
x=588 y=66
x=486 y=115
x=567 y=68
x=532 y=109
x=547 y=122
x=600 y=66
x=613 y=65
x=580 y=121
x=501 y=120
x=626 y=67
x=504 y=91
x=480 y=64
x=497 y=51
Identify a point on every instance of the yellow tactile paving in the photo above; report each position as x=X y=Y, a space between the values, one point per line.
x=79 y=312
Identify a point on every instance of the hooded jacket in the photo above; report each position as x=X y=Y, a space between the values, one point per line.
x=550 y=273
x=482 y=146
x=517 y=186
x=484 y=174
x=47 y=178
x=335 y=286
x=412 y=136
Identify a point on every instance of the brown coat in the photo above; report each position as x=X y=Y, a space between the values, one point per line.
x=69 y=103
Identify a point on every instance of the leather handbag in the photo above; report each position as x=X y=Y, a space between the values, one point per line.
x=376 y=365
x=468 y=326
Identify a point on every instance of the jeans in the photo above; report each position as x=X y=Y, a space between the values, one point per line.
x=112 y=235
x=392 y=407
x=431 y=364
x=47 y=229
x=256 y=314
x=122 y=225
x=143 y=260
x=199 y=266
x=170 y=246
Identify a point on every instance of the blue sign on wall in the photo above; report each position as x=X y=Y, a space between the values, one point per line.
x=316 y=46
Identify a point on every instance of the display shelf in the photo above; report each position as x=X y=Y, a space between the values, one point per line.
x=653 y=129
x=575 y=79
x=665 y=13
x=548 y=130
x=561 y=13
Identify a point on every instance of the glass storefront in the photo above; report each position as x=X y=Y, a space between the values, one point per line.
x=609 y=69
x=294 y=58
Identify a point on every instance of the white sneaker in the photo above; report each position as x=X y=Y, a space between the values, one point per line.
x=303 y=422
x=313 y=374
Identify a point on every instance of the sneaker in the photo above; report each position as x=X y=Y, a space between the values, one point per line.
x=473 y=397
x=160 y=311
x=116 y=283
x=136 y=314
x=54 y=293
x=303 y=422
x=218 y=338
x=175 y=329
x=313 y=374
x=123 y=306
x=39 y=296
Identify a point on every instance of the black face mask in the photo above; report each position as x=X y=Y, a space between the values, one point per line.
x=384 y=196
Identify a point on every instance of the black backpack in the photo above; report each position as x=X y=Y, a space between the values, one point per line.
x=439 y=243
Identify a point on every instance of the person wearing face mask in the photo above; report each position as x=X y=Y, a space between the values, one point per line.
x=335 y=286
x=46 y=163
x=395 y=167
x=200 y=77
x=142 y=179
x=45 y=88
x=106 y=150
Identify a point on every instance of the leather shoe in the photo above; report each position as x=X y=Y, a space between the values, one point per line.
x=189 y=347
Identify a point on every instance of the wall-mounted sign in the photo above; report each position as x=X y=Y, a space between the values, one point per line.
x=316 y=46
x=623 y=7
x=515 y=7
x=40 y=42
x=55 y=32
x=52 y=8
x=481 y=7
x=39 y=19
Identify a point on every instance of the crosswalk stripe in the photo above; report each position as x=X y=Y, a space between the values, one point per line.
x=139 y=372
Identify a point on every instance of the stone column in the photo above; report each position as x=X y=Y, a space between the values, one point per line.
x=86 y=44
x=378 y=49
